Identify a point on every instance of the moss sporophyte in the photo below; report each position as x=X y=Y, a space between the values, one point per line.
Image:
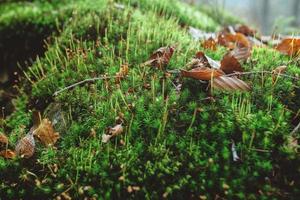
x=170 y=136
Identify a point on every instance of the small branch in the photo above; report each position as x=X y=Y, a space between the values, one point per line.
x=296 y=129
x=84 y=81
x=261 y=150
x=176 y=71
x=267 y=72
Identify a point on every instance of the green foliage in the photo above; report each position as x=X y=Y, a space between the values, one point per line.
x=176 y=146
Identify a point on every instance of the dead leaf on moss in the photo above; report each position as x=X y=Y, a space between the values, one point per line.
x=116 y=130
x=244 y=29
x=232 y=41
x=277 y=71
x=289 y=46
x=26 y=146
x=210 y=43
x=8 y=154
x=122 y=73
x=106 y=138
x=229 y=64
x=241 y=53
x=202 y=60
x=46 y=133
x=3 y=139
x=161 y=57
x=198 y=34
x=202 y=73
x=112 y=132
x=227 y=83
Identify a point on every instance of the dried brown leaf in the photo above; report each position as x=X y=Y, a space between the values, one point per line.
x=244 y=29
x=201 y=60
x=277 y=71
x=3 y=139
x=210 y=43
x=46 y=133
x=230 y=64
x=232 y=41
x=241 y=53
x=289 y=46
x=226 y=83
x=202 y=73
x=8 y=154
x=122 y=73
x=161 y=57
x=26 y=146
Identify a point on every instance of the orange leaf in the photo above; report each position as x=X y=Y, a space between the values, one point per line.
x=3 y=139
x=244 y=29
x=202 y=73
x=9 y=154
x=229 y=84
x=233 y=40
x=289 y=46
x=210 y=43
x=46 y=133
x=230 y=64
x=25 y=147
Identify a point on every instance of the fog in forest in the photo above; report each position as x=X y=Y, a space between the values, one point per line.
x=268 y=16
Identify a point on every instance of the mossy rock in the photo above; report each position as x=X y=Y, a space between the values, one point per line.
x=175 y=146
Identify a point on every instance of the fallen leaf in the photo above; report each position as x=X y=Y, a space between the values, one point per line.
x=122 y=73
x=244 y=29
x=198 y=34
x=277 y=71
x=241 y=53
x=289 y=46
x=3 y=139
x=161 y=57
x=106 y=138
x=229 y=64
x=25 y=147
x=46 y=133
x=227 y=83
x=202 y=73
x=232 y=41
x=112 y=131
x=116 y=130
x=9 y=154
x=210 y=43
x=201 y=60
x=256 y=42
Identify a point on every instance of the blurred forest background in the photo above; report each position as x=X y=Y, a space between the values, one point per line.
x=269 y=16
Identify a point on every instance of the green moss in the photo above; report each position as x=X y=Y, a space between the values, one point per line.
x=176 y=145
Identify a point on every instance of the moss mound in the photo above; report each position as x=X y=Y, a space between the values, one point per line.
x=174 y=145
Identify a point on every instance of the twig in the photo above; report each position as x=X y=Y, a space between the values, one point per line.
x=267 y=72
x=246 y=73
x=296 y=129
x=174 y=71
x=84 y=81
x=261 y=150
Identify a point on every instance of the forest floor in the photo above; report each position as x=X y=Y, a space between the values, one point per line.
x=144 y=99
